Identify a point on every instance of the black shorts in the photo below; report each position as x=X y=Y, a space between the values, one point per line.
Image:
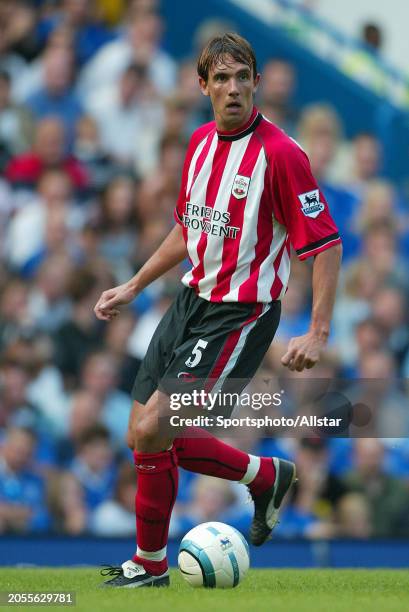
x=197 y=340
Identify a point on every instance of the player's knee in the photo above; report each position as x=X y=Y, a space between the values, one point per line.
x=130 y=439
x=143 y=433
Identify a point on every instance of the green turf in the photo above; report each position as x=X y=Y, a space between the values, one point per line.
x=262 y=590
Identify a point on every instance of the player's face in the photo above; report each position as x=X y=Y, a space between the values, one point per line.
x=231 y=87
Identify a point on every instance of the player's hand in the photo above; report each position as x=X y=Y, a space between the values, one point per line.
x=303 y=352
x=107 y=307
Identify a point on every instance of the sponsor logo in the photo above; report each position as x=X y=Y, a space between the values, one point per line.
x=187 y=376
x=130 y=572
x=225 y=543
x=240 y=186
x=209 y=221
x=145 y=467
x=310 y=203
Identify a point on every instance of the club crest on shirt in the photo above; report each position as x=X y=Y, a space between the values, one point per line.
x=240 y=186
x=310 y=203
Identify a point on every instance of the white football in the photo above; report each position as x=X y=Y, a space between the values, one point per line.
x=213 y=555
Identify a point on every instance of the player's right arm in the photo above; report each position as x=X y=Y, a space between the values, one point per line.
x=171 y=252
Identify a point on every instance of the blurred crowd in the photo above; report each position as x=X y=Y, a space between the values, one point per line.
x=94 y=119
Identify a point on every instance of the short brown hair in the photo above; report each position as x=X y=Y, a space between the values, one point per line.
x=218 y=47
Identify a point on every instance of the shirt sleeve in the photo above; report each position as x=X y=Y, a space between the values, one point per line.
x=299 y=204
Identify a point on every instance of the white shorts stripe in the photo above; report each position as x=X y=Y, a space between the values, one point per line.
x=252 y=470
x=156 y=555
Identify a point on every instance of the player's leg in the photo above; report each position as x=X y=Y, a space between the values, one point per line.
x=201 y=452
x=156 y=466
x=267 y=478
x=154 y=457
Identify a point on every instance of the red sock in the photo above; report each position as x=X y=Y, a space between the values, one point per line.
x=155 y=496
x=205 y=454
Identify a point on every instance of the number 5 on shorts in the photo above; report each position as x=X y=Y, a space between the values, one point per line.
x=197 y=353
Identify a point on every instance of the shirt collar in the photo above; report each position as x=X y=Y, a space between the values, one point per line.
x=243 y=130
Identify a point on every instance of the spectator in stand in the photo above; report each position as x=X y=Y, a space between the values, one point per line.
x=390 y=311
x=66 y=502
x=23 y=506
x=48 y=153
x=198 y=106
x=360 y=285
x=87 y=148
x=83 y=412
x=57 y=97
x=380 y=389
x=81 y=17
x=16 y=409
x=45 y=388
x=15 y=123
x=353 y=517
x=88 y=483
x=116 y=517
x=100 y=375
x=380 y=242
x=117 y=338
x=17 y=25
x=370 y=336
x=310 y=510
x=49 y=305
x=363 y=64
x=320 y=131
x=10 y=62
x=14 y=313
x=140 y=45
x=320 y=123
x=26 y=240
x=8 y=206
x=145 y=326
x=88 y=245
x=372 y=36
x=80 y=334
x=275 y=96
x=159 y=188
x=212 y=499
x=366 y=162
x=118 y=227
x=127 y=113
x=380 y=204
x=157 y=195
x=171 y=131
x=31 y=79
x=386 y=496
x=94 y=466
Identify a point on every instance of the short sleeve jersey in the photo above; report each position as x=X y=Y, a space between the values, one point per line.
x=246 y=196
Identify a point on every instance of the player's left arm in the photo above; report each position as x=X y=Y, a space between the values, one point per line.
x=302 y=208
x=304 y=351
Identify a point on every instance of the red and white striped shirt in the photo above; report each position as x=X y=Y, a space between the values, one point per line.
x=245 y=197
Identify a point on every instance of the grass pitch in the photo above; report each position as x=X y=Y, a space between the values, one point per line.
x=262 y=590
